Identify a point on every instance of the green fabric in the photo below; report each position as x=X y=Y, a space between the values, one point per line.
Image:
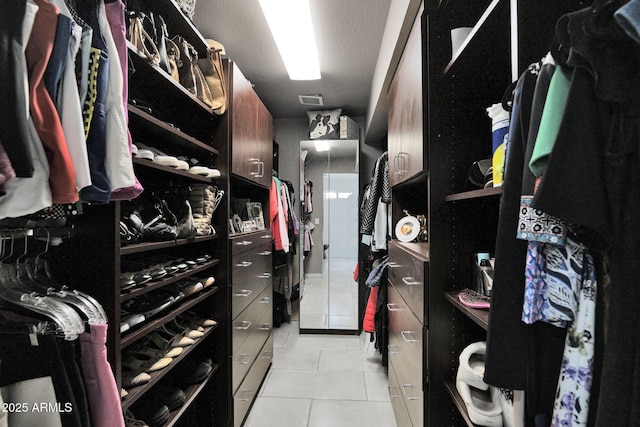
x=550 y=121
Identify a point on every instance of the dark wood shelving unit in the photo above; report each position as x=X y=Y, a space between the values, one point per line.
x=191 y=393
x=138 y=332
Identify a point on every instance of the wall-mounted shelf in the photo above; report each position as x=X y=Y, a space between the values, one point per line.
x=152 y=246
x=474 y=194
x=479 y=316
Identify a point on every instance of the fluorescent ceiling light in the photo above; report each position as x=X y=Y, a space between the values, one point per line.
x=292 y=30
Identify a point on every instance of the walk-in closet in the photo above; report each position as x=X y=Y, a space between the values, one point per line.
x=434 y=225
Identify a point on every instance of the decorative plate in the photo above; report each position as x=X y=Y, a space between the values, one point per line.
x=407 y=228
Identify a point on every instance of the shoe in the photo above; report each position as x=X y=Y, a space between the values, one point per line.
x=193 y=373
x=208 y=281
x=126 y=284
x=197 y=320
x=133 y=379
x=144 y=363
x=173 y=397
x=131 y=421
x=151 y=349
x=188 y=286
x=483 y=406
x=474 y=299
x=471 y=368
x=123 y=393
x=153 y=413
x=129 y=320
x=176 y=339
x=144 y=152
x=134 y=150
x=179 y=328
x=159 y=157
x=149 y=304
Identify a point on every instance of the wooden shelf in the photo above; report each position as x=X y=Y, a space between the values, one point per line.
x=457 y=399
x=149 y=326
x=167 y=169
x=419 y=250
x=474 y=194
x=474 y=30
x=151 y=286
x=152 y=246
x=191 y=393
x=479 y=316
x=161 y=129
x=161 y=80
x=136 y=392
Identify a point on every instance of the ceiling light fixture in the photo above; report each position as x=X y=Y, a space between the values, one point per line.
x=322 y=145
x=292 y=30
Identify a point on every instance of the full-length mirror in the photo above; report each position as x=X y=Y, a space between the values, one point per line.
x=329 y=241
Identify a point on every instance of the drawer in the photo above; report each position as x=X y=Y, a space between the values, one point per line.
x=407 y=354
x=407 y=274
x=251 y=274
x=249 y=241
x=248 y=390
x=246 y=321
x=397 y=400
x=249 y=350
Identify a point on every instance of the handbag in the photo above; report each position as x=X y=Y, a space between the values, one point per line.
x=140 y=38
x=156 y=27
x=214 y=74
x=189 y=55
x=202 y=87
x=173 y=57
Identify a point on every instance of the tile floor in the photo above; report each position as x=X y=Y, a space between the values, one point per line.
x=322 y=381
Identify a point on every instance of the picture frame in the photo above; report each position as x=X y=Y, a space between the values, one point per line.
x=255 y=214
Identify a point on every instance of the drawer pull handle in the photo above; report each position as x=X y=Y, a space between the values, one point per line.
x=266 y=236
x=244 y=243
x=266 y=327
x=244 y=293
x=404 y=391
x=410 y=281
x=389 y=349
x=244 y=264
x=244 y=328
x=389 y=305
x=265 y=253
x=405 y=338
x=246 y=390
x=246 y=356
x=265 y=300
x=265 y=276
x=393 y=396
x=267 y=355
x=394 y=265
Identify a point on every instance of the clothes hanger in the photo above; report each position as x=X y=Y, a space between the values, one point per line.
x=69 y=322
x=40 y=275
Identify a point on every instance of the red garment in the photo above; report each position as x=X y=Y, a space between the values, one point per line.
x=369 y=324
x=62 y=174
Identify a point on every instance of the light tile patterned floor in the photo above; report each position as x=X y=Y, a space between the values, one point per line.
x=323 y=381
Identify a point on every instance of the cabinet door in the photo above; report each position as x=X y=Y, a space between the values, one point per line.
x=252 y=139
x=405 y=132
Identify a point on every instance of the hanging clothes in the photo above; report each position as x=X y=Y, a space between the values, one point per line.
x=374 y=216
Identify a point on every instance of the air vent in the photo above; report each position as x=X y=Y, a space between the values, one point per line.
x=315 y=100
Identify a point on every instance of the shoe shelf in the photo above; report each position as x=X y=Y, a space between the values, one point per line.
x=191 y=393
x=151 y=286
x=165 y=131
x=474 y=194
x=450 y=386
x=136 y=392
x=150 y=164
x=152 y=246
x=479 y=316
x=151 y=76
x=129 y=338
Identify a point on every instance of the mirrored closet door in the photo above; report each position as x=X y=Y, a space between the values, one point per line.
x=329 y=241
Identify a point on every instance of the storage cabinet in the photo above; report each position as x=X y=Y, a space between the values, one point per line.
x=506 y=37
x=407 y=154
x=252 y=133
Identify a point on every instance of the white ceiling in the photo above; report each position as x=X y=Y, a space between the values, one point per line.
x=348 y=34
